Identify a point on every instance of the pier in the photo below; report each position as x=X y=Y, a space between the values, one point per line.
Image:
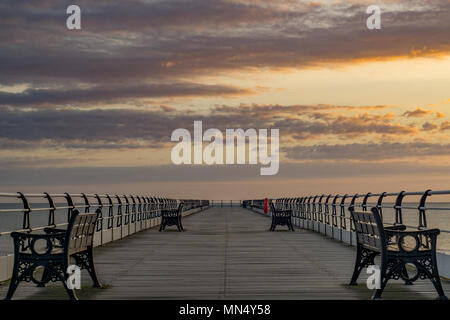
x=226 y=252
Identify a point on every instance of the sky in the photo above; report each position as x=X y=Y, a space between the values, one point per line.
x=92 y=110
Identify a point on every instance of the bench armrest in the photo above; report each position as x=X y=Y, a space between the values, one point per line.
x=423 y=239
x=25 y=243
x=399 y=227
x=25 y=235
x=427 y=232
x=50 y=230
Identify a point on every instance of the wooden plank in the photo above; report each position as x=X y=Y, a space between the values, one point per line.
x=226 y=253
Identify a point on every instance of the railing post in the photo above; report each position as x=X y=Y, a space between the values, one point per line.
x=69 y=205
x=352 y=204
x=26 y=211
x=100 y=218
x=87 y=205
x=308 y=210
x=301 y=212
x=148 y=212
x=422 y=210
x=327 y=212
x=51 y=212
x=110 y=224
x=343 y=222
x=364 y=203
x=127 y=213
x=133 y=211
x=320 y=213
x=398 y=208
x=334 y=222
x=119 y=216
x=314 y=212
x=380 y=204
x=139 y=216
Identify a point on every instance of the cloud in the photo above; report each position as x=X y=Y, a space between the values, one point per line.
x=151 y=128
x=347 y=127
x=445 y=126
x=417 y=113
x=440 y=115
x=173 y=40
x=273 y=109
x=427 y=126
x=87 y=128
x=103 y=94
x=367 y=152
x=420 y=113
x=142 y=49
x=139 y=16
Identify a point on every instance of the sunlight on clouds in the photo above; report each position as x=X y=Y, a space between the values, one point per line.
x=408 y=83
x=14 y=88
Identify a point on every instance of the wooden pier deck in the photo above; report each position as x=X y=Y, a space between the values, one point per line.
x=226 y=253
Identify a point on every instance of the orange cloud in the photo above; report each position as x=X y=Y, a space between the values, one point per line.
x=445 y=126
x=419 y=113
x=427 y=126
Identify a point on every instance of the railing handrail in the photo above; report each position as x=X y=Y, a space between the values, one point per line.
x=312 y=205
x=138 y=204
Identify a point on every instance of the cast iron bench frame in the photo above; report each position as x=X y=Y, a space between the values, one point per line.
x=374 y=239
x=172 y=217
x=61 y=244
x=281 y=217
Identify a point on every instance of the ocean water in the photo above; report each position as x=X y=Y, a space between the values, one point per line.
x=10 y=221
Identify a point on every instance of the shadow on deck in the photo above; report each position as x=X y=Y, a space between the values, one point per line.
x=226 y=253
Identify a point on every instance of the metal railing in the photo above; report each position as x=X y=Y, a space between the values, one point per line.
x=116 y=211
x=332 y=209
x=328 y=213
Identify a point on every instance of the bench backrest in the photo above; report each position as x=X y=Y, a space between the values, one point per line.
x=180 y=208
x=272 y=207
x=170 y=212
x=80 y=231
x=369 y=229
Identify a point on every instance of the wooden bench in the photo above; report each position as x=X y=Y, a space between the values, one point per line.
x=52 y=252
x=280 y=217
x=172 y=217
x=399 y=250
